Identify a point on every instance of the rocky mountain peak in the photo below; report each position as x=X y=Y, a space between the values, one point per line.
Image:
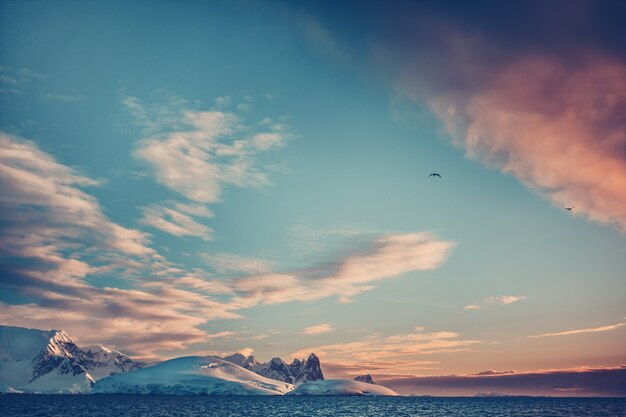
x=365 y=378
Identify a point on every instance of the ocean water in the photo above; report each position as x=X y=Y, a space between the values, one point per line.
x=197 y=405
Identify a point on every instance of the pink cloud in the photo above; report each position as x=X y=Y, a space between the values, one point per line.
x=390 y=256
x=557 y=126
x=395 y=355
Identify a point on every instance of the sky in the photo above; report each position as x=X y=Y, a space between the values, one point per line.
x=217 y=177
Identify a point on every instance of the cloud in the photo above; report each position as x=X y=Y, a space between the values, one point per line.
x=493 y=372
x=602 y=382
x=196 y=153
x=45 y=204
x=557 y=126
x=587 y=330
x=545 y=106
x=54 y=236
x=322 y=40
x=386 y=257
x=396 y=354
x=307 y=240
x=505 y=299
x=174 y=222
x=63 y=97
x=57 y=244
x=229 y=262
x=16 y=80
x=318 y=329
x=501 y=300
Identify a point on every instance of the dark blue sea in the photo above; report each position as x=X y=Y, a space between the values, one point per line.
x=169 y=406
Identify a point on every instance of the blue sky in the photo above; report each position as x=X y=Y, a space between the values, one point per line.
x=212 y=177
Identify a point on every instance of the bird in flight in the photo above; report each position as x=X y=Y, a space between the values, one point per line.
x=434 y=174
x=569 y=208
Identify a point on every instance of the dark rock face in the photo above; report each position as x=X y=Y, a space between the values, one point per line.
x=61 y=355
x=299 y=371
x=91 y=359
x=308 y=370
x=365 y=378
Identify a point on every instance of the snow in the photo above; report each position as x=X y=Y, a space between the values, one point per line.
x=341 y=387
x=40 y=361
x=192 y=375
x=18 y=343
x=299 y=371
x=101 y=361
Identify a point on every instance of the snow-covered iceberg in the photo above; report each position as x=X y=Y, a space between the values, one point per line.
x=207 y=375
x=341 y=387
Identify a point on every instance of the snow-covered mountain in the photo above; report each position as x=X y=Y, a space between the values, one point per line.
x=341 y=387
x=41 y=361
x=101 y=361
x=48 y=361
x=298 y=372
x=207 y=375
x=243 y=361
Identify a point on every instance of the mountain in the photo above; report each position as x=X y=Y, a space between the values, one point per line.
x=367 y=378
x=341 y=387
x=298 y=372
x=243 y=361
x=207 y=375
x=40 y=361
x=45 y=361
x=101 y=361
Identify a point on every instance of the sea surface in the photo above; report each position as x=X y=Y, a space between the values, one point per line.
x=197 y=405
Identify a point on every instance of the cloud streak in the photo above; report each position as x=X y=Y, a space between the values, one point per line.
x=586 y=330
x=318 y=329
x=396 y=354
x=564 y=383
x=387 y=257
x=499 y=300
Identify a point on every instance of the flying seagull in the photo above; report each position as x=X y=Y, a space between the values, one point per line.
x=569 y=208
x=434 y=174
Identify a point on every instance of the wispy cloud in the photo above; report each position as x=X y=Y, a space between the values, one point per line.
x=308 y=240
x=318 y=329
x=397 y=354
x=16 y=80
x=501 y=300
x=505 y=299
x=386 y=257
x=64 y=97
x=586 y=330
x=174 y=222
x=229 y=262
x=196 y=153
